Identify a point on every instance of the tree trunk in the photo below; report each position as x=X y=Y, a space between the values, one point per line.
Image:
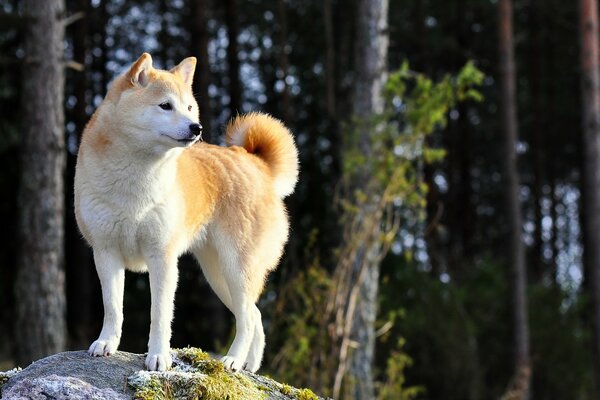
x=370 y=69
x=590 y=84
x=233 y=62
x=40 y=287
x=516 y=250
x=199 y=48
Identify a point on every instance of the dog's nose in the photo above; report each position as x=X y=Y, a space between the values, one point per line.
x=196 y=129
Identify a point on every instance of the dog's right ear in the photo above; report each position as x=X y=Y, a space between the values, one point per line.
x=139 y=72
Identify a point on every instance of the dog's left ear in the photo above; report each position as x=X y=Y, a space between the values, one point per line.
x=139 y=71
x=186 y=69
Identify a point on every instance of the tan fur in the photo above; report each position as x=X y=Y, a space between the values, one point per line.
x=142 y=199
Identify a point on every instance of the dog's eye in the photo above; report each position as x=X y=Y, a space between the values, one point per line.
x=166 y=106
x=189 y=108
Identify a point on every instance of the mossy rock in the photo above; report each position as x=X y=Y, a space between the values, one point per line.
x=194 y=375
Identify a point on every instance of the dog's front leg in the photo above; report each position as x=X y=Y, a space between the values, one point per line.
x=163 y=282
x=112 y=278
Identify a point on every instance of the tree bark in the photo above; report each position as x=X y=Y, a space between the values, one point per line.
x=233 y=62
x=199 y=48
x=516 y=250
x=590 y=88
x=40 y=321
x=370 y=71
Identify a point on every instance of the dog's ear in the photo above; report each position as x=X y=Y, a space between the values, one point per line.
x=139 y=71
x=186 y=69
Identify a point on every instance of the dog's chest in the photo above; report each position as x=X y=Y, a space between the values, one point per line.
x=132 y=223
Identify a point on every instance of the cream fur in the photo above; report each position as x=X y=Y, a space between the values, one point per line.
x=142 y=199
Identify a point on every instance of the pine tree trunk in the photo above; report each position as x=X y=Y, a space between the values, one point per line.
x=40 y=320
x=370 y=69
x=516 y=250
x=590 y=84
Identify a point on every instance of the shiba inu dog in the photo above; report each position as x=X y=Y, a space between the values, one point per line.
x=147 y=190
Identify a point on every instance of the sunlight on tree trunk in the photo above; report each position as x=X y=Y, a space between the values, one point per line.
x=371 y=63
x=40 y=326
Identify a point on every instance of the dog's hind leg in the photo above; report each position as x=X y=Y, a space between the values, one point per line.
x=226 y=279
x=245 y=321
x=257 y=347
x=209 y=262
x=112 y=278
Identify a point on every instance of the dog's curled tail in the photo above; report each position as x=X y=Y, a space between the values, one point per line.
x=267 y=137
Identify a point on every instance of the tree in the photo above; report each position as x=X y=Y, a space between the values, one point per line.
x=516 y=251
x=370 y=69
x=40 y=285
x=590 y=88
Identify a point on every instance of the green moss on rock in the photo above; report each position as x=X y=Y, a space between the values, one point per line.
x=286 y=389
x=195 y=375
x=306 y=394
x=192 y=356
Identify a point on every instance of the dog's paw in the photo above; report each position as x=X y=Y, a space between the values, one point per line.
x=104 y=347
x=158 y=361
x=232 y=363
x=252 y=365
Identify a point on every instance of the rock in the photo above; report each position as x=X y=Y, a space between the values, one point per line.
x=194 y=375
x=58 y=388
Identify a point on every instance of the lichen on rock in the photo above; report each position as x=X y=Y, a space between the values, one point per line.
x=5 y=376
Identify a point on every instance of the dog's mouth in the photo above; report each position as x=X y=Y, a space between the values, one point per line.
x=187 y=140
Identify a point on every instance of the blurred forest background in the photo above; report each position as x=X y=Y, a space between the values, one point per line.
x=445 y=228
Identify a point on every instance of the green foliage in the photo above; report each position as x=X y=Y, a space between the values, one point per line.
x=299 y=323
x=382 y=172
x=560 y=339
x=449 y=328
x=394 y=387
x=384 y=154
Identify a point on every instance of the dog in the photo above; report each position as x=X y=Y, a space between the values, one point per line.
x=147 y=190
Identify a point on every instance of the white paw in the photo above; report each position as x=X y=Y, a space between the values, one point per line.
x=104 y=347
x=252 y=365
x=232 y=363
x=158 y=361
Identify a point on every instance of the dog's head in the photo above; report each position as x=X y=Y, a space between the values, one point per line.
x=155 y=109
